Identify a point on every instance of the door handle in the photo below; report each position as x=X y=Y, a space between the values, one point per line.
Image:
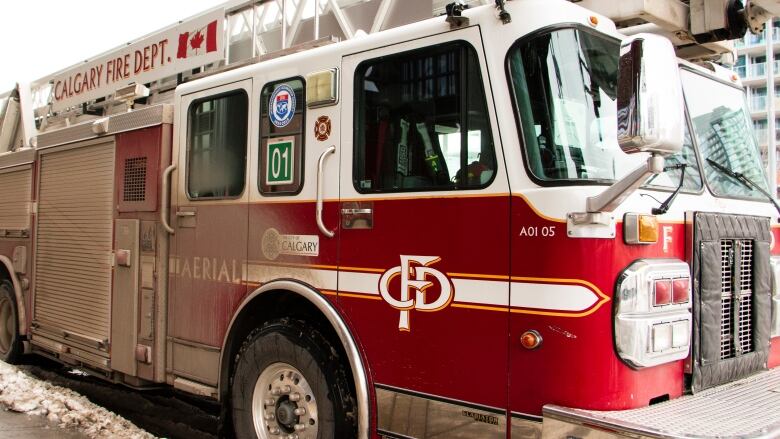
x=329 y=233
x=357 y=211
x=184 y=214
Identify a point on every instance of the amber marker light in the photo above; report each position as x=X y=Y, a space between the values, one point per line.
x=640 y=228
x=594 y=21
x=531 y=339
x=648 y=229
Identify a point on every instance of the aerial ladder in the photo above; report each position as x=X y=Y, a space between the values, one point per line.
x=258 y=30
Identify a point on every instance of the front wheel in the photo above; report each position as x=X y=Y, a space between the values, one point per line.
x=10 y=344
x=290 y=382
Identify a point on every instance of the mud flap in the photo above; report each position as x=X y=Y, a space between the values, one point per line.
x=710 y=230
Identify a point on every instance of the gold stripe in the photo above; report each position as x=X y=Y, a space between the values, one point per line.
x=482 y=307
x=360 y=296
x=292 y=265
x=537 y=211
x=478 y=276
x=425 y=197
x=363 y=269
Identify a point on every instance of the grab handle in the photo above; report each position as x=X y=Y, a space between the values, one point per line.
x=329 y=233
x=165 y=208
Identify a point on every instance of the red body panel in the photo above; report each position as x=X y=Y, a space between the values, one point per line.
x=577 y=365
x=456 y=352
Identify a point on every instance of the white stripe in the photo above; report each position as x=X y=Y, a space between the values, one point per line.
x=259 y=273
x=484 y=292
x=366 y=283
x=552 y=296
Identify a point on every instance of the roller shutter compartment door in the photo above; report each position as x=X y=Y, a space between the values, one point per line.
x=74 y=243
x=15 y=200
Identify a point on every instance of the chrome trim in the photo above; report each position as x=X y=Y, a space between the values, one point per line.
x=635 y=315
x=329 y=233
x=775 y=322
x=20 y=309
x=402 y=413
x=355 y=361
x=164 y=204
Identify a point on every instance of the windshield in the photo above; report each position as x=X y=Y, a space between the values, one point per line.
x=724 y=135
x=564 y=85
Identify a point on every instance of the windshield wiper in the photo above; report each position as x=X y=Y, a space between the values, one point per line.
x=745 y=180
x=664 y=207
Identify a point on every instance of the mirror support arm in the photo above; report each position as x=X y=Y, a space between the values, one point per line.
x=611 y=198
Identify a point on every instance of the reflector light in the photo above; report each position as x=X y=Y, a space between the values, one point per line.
x=662 y=337
x=648 y=229
x=594 y=21
x=662 y=292
x=680 y=334
x=681 y=290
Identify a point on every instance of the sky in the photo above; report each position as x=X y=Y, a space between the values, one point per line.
x=40 y=37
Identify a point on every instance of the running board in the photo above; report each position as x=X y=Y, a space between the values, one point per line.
x=748 y=408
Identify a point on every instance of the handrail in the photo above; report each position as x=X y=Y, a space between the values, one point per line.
x=331 y=149
x=165 y=208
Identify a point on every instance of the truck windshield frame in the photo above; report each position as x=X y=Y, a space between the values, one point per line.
x=710 y=143
x=566 y=111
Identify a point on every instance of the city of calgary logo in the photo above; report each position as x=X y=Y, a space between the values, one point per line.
x=414 y=288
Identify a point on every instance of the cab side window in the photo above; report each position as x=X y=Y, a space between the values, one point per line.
x=281 y=137
x=421 y=122
x=216 y=156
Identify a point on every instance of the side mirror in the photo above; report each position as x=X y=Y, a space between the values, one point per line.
x=650 y=113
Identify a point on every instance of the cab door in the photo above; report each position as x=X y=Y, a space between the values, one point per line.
x=424 y=253
x=210 y=220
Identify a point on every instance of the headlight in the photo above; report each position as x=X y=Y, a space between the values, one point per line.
x=653 y=312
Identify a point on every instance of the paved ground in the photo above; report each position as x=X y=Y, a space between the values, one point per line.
x=21 y=426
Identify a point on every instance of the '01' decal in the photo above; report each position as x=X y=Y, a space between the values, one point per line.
x=416 y=274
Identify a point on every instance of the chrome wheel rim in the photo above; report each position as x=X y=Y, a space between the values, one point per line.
x=283 y=404
x=6 y=325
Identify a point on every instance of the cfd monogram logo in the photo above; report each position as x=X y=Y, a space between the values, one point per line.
x=416 y=274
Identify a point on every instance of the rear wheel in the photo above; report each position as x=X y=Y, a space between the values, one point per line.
x=10 y=344
x=290 y=382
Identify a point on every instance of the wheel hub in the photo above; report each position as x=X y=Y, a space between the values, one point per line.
x=283 y=404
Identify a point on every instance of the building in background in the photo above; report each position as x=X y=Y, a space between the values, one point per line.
x=751 y=67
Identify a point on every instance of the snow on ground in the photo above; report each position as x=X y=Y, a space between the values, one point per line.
x=19 y=392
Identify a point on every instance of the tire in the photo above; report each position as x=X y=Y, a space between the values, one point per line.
x=289 y=382
x=10 y=343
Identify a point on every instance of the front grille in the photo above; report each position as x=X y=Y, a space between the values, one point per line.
x=736 y=327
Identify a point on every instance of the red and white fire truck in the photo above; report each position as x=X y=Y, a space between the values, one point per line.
x=519 y=219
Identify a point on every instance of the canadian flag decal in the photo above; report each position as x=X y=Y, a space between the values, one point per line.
x=191 y=43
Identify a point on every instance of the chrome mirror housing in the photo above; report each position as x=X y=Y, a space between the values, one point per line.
x=649 y=98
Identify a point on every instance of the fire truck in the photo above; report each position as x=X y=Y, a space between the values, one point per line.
x=531 y=218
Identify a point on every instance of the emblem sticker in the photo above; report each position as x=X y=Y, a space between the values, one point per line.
x=281 y=106
x=322 y=128
x=275 y=244
x=415 y=272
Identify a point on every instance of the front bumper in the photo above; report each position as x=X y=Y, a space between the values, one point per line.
x=748 y=408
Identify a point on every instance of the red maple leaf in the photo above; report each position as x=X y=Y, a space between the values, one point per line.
x=196 y=41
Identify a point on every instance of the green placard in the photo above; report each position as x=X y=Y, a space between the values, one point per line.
x=279 y=159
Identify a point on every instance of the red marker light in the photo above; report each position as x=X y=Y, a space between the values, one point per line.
x=663 y=292
x=681 y=290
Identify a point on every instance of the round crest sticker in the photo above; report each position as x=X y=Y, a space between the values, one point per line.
x=322 y=128
x=281 y=106
x=271 y=244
